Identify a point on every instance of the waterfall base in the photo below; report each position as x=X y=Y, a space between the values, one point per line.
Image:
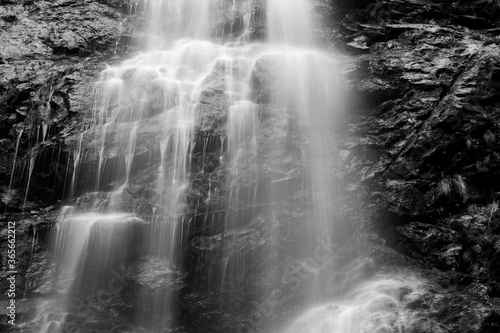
x=385 y=304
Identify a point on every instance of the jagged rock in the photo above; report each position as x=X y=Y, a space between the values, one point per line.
x=45 y=28
x=44 y=81
x=439 y=244
x=154 y=274
x=401 y=141
x=262 y=79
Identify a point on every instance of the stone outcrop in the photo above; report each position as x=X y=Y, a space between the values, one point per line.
x=422 y=146
x=51 y=51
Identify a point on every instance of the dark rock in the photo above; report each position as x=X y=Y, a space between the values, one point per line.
x=9 y=328
x=154 y=274
x=491 y=324
x=478 y=291
x=441 y=244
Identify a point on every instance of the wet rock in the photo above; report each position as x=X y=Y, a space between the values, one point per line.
x=40 y=274
x=231 y=28
x=262 y=79
x=31 y=246
x=492 y=323
x=9 y=328
x=439 y=243
x=478 y=291
x=416 y=301
x=398 y=143
x=212 y=109
x=155 y=274
x=45 y=84
x=60 y=27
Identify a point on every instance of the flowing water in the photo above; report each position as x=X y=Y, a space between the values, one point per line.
x=276 y=154
x=375 y=306
x=18 y=140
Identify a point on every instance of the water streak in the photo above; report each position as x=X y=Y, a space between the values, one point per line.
x=18 y=140
x=32 y=159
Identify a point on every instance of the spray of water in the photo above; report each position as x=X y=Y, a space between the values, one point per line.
x=376 y=306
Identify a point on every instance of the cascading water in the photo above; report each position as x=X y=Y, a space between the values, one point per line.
x=289 y=23
x=272 y=177
x=374 y=306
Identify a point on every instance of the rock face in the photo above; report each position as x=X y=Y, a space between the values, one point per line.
x=420 y=152
x=423 y=144
x=51 y=51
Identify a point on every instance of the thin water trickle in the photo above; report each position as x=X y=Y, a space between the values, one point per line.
x=76 y=164
x=101 y=156
x=12 y=172
x=32 y=159
x=45 y=127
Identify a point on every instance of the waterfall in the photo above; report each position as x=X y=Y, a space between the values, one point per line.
x=210 y=143
x=289 y=23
